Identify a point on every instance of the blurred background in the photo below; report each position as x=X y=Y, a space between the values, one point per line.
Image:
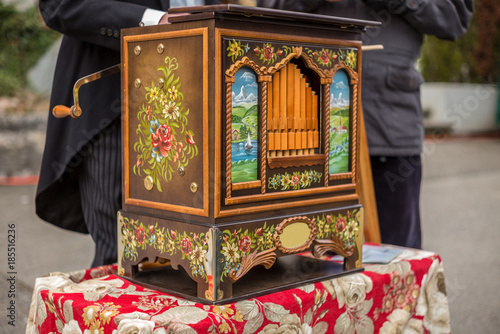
x=461 y=187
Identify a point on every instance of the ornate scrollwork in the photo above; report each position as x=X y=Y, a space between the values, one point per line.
x=265 y=258
x=335 y=245
x=279 y=230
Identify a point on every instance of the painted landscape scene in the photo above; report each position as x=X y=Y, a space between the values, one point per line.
x=339 y=124
x=244 y=127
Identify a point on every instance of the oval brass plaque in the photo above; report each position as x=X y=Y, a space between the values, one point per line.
x=295 y=235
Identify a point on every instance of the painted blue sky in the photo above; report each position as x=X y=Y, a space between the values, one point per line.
x=245 y=77
x=340 y=84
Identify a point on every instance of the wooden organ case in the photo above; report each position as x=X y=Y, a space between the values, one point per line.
x=240 y=151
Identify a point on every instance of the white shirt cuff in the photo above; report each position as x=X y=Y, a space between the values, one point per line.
x=151 y=17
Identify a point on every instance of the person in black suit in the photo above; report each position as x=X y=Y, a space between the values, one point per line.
x=80 y=178
x=391 y=96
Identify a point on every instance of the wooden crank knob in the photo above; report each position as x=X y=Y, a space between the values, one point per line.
x=61 y=111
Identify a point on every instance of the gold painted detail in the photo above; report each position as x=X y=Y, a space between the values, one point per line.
x=294 y=235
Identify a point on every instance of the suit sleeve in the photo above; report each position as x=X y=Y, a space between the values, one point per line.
x=307 y=6
x=445 y=19
x=96 y=22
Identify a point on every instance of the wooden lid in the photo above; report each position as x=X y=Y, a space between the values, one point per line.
x=219 y=11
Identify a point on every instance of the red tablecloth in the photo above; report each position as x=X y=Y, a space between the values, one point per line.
x=404 y=296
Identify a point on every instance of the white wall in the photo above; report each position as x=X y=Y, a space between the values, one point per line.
x=463 y=108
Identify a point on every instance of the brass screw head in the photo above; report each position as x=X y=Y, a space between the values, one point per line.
x=137 y=50
x=137 y=83
x=160 y=48
x=148 y=183
x=194 y=187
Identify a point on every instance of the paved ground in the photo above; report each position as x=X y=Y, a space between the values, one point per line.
x=460 y=206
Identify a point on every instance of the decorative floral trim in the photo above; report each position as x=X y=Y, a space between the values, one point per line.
x=237 y=243
x=164 y=139
x=236 y=49
x=267 y=54
x=340 y=227
x=192 y=246
x=295 y=181
x=327 y=57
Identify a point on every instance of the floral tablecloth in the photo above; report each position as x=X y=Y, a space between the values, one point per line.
x=404 y=296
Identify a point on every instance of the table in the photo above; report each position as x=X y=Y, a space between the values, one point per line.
x=406 y=295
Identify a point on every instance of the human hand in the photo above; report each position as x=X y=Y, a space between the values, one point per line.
x=166 y=16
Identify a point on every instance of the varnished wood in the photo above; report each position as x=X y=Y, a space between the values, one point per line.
x=246 y=185
x=366 y=189
x=127 y=199
x=272 y=207
x=292 y=161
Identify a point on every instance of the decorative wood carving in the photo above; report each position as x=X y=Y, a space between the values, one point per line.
x=290 y=221
x=322 y=246
x=265 y=258
x=291 y=161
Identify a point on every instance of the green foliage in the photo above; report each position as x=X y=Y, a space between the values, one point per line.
x=472 y=58
x=447 y=61
x=24 y=39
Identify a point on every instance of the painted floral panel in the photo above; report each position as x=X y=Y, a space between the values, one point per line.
x=164 y=141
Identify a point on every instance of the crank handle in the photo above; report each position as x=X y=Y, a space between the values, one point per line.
x=75 y=111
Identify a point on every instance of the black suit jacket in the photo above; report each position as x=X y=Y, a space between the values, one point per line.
x=91 y=43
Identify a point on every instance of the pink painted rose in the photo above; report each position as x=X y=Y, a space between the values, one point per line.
x=340 y=224
x=186 y=246
x=140 y=235
x=162 y=139
x=244 y=243
x=267 y=52
x=325 y=57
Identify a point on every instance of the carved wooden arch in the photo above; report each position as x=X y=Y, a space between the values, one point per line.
x=230 y=79
x=342 y=65
x=353 y=78
x=245 y=61
x=264 y=72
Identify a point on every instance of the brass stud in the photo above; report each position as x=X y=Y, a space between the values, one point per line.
x=148 y=183
x=137 y=83
x=194 y=187
x=160 y=48
x=137 y=50
x=161 y=82
x=181 y=171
